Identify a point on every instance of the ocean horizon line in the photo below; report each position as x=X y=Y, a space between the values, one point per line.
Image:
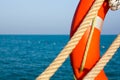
x=48 y=34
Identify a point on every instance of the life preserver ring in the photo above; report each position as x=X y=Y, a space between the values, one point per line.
x=93 y=56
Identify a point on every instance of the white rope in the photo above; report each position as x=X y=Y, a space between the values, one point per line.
x=53 y=67
x=104 y=60
x=46 y=75
x=114 y=4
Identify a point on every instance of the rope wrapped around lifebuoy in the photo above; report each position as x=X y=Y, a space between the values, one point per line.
x=53 y=67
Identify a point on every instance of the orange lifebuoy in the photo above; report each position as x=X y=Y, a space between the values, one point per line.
x=94 y=50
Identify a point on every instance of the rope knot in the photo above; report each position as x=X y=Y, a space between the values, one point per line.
x=114 y=4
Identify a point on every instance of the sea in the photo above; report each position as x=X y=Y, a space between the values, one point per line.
x=24 y=57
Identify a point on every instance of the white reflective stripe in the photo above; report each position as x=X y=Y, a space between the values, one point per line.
x=98 y=23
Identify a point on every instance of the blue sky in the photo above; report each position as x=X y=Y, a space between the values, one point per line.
x=46 y=17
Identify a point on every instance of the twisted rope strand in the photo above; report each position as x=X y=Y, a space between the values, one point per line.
x=46 y=75
x=104 y=60
x=88 y=44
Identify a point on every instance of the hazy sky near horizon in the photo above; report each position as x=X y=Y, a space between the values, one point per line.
x=46 y=17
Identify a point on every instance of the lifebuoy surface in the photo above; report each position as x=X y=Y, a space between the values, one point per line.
x=93 y=55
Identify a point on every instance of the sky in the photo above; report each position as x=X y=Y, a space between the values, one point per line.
x=46 y=17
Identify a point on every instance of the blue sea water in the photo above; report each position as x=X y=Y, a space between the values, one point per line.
x=24 y=57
